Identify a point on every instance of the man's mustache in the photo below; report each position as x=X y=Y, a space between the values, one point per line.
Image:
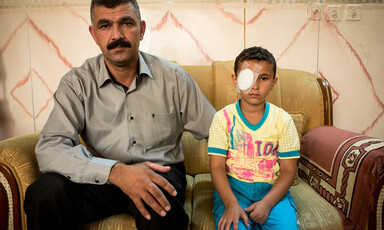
x=119 y=43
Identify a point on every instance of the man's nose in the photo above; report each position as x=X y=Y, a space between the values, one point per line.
x=117 y=33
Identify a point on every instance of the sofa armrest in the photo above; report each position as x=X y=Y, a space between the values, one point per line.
x=18 y=169
x=345 y=168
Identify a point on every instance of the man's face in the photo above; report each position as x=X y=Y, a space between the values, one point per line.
x=118 y=32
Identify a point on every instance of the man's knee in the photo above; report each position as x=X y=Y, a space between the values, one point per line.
x=175 y=219
x=46 y=190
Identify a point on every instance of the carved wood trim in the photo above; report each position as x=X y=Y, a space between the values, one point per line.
x=3 y=207
x=12 y=197
x=327 y=99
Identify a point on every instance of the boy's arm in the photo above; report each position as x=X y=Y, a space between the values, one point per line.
x=260 y=210
x=220 y=180
x=233 y=210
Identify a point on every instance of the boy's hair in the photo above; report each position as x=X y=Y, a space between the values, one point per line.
x=255 y=53
x=115 y=3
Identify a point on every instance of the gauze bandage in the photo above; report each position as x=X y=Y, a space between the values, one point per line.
x=247 y=78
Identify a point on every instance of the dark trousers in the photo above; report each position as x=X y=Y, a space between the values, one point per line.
x=55 y=202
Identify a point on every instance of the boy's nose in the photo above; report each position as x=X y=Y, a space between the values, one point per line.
x=255 y=86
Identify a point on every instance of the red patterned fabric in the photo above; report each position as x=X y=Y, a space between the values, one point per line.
x=344 y=168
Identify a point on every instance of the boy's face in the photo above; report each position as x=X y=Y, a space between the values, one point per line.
x=262 y=86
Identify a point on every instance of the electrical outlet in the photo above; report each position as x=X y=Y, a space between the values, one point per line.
x=314 y=11
x=353 y=12
x=334 y=13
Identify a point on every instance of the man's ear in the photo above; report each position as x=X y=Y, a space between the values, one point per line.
x=142 y=29
x=92 y=31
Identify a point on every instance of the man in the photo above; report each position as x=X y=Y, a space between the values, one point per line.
x=130 y=109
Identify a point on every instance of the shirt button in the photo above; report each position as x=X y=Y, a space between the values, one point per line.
x=97 y=180
x=132 y=117
x=134 y=142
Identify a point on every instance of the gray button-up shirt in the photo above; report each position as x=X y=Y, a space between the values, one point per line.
x=142 y=123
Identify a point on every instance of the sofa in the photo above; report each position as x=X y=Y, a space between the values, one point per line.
x=340 y=173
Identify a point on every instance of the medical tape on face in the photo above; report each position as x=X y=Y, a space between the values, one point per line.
x=247 y=78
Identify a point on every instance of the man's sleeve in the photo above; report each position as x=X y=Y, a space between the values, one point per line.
x=196 y=111
x=59 y=149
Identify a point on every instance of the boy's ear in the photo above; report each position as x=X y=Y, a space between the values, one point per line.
x=274 y=81
x=234 y=79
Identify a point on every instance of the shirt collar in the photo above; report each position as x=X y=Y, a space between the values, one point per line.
x=249 y=124
x=104 y=75
x=144 y=69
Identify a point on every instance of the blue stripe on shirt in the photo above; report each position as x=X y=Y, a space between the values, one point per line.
x=289 y=154
x=217 y=151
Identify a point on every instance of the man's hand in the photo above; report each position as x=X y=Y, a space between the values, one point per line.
x=141 y=183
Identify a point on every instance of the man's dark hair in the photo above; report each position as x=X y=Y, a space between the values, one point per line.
x=113 y=4
x=255 y=53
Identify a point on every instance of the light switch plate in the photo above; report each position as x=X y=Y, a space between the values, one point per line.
x=314 y=11
x=334 y=13
x=353 y=12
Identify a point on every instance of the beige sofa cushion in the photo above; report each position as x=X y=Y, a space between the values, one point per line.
x=314 y=211
x=202 y=217
x=299 y=118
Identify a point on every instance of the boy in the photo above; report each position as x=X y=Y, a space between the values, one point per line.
x=253 y=148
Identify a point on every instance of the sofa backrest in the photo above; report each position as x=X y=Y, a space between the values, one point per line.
x=295 y=91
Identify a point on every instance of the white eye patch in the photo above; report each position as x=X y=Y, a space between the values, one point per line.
x=245 y=80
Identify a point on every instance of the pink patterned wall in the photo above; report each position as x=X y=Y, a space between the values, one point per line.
x=41 y=41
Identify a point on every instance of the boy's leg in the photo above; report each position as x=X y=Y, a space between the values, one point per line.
x=287 y=221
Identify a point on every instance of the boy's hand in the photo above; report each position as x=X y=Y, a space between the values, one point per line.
x=231 y=215
x=258 y=212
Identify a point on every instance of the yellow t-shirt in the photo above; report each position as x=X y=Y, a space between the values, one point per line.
x=252 y=151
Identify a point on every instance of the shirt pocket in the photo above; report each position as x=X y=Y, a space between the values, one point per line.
x=161 y=129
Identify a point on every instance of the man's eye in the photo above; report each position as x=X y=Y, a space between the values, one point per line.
x=104 y=26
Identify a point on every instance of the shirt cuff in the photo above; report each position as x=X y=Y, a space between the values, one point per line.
x=98 y=170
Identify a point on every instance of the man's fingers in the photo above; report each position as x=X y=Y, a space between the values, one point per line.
x=153 y=203
x=146 y=187
x=157 y=167
x=158 y=199
x=140 y=206
x=163 y=183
